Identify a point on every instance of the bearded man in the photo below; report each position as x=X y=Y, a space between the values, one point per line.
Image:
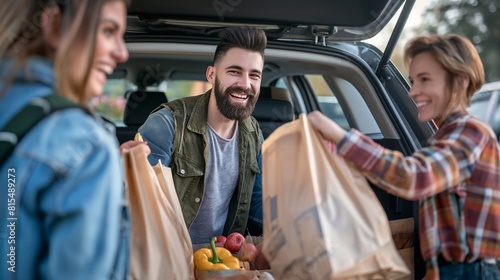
x=213 y=144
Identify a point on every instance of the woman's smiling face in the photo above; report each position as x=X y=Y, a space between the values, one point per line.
x=110 y=46
x=429 y=88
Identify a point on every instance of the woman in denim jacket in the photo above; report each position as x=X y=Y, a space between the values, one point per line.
x=65 y=174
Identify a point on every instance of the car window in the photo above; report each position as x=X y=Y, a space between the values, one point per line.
x=496 y=120
x=479 y=104
x=328 y=102
x=338 y=99
x=478 y=108
x=482 y=107
x=175 y=89
x=111 y=103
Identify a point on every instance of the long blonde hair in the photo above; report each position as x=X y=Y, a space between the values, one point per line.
x=75 y=51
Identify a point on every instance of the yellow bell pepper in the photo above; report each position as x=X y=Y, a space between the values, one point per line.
x=216 y=258
x=138 y=137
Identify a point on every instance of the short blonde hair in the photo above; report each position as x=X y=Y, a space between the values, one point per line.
x=458 y=57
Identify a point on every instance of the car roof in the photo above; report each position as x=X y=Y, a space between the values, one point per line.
x=489 y=87
x=335 y=20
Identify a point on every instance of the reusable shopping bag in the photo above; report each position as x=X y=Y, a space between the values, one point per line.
x=160 y=244
x=321 y=218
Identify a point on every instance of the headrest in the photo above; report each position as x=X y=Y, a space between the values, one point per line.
x=140 y=104
x=273 y=105
x=274 y=93
x=273 y=110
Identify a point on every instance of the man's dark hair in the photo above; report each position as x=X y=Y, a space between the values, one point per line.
x=244 y=37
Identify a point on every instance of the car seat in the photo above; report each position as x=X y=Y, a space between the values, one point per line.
x=273 y=109
x=137 y=109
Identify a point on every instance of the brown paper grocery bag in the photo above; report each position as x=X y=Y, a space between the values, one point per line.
x=160 y=243
x=321 y=218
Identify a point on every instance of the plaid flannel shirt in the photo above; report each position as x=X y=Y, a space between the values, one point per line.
x=457 y=180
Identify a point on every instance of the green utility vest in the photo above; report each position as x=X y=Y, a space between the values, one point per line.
x=189 y=159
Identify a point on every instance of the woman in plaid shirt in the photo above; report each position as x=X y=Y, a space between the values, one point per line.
x=456 y=177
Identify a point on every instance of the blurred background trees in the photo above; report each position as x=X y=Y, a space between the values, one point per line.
x=478 y=20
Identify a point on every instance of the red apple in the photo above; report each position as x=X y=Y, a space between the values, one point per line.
x=221 y=240
x=248 y=252
x=234 y=242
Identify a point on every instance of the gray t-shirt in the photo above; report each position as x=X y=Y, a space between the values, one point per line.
x=221 y=178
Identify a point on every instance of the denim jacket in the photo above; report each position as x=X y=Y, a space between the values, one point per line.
x=61 y=195
x=187 y=119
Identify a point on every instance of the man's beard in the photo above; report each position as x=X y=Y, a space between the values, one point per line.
x=232 y=111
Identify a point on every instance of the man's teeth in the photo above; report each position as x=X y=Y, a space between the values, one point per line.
x=106 y=69
x=241 y=96
x=421 y=104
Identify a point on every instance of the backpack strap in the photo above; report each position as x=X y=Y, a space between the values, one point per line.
x=19 y=125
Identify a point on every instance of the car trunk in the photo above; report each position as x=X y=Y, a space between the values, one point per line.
x=324 y=21
x=317 y=22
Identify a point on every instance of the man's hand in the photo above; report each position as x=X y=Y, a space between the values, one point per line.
x=132 y=143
